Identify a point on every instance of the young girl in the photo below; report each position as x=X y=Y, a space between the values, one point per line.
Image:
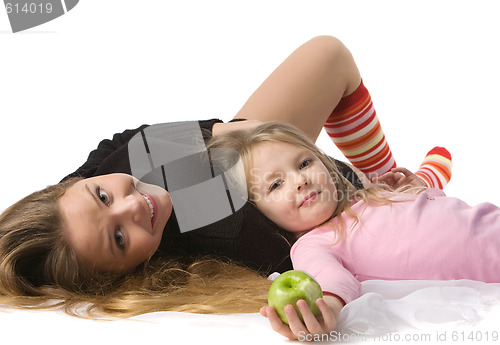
x=347 y=235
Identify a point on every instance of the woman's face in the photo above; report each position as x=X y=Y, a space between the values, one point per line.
x=114 y=222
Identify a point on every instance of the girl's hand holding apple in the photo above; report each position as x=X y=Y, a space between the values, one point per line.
x=311 y=326
x=298 y=288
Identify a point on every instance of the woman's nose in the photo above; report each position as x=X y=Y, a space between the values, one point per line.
x=130 y=207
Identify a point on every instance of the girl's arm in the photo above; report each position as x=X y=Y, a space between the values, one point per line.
x=330 y=307
x=399 y=177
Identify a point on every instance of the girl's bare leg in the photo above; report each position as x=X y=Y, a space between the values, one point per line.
x=319 y=85
x=306 y=87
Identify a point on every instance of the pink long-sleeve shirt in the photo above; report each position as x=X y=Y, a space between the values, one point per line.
x=430 y=236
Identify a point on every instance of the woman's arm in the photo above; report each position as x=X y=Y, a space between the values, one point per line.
x=219 y=128
x=330 y=307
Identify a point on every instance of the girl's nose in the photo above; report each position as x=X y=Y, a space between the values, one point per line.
x=301 y=182
x=299 y=187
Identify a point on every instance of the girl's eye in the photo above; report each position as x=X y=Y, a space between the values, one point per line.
x=103 y=196
x=120 y=239
x=275 y=185
x=304 y=164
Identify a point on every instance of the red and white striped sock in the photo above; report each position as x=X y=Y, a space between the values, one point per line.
x=355 y=129
x=435 y=170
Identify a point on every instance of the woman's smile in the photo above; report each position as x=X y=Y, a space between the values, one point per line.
x=153 y=209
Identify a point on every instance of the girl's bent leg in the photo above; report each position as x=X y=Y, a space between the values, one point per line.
x=320 y=85
x=354 y=127
x=306 y=87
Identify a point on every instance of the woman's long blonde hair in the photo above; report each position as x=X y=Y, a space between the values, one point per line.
x=38 y=269
x=243 y=142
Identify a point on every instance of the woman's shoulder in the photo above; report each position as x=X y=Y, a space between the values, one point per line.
x=111 y=155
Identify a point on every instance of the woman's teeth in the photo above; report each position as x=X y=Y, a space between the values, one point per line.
x=151 y=208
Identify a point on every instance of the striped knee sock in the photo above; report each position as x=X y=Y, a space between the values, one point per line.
x=435 y=170
x=355 y=129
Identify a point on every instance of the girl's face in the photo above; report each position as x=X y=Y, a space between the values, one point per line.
x=114 y=222
x=291 y=186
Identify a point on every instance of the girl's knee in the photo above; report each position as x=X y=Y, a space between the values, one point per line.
x=327 y=46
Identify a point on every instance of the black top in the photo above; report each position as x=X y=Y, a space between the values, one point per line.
x=247 y=236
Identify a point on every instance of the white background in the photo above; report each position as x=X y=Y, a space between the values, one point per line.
x=108 y=65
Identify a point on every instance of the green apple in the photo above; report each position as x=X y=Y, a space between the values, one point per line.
x=291 y=286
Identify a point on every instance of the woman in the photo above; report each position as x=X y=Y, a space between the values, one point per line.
x=236 y=236
x=91 y=238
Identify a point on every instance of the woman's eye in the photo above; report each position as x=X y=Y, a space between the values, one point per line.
x=103 y=196
x=304 y=164
x=120 y=239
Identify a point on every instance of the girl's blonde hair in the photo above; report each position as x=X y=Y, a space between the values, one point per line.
x=38 y=269
x=245 y=141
